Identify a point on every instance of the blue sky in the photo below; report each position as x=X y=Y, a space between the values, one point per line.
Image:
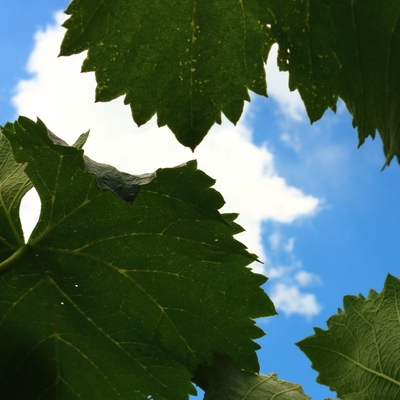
x=319 y=212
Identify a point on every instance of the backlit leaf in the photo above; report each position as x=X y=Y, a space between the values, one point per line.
x=228 y=382
x=14 y=184
x=132 y=296
x=190 y=61
x=348 y=49
x=185 y=61
x=358 y=356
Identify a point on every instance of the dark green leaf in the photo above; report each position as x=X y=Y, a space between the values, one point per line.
x=185 y=61
x=120 y=183
x=130 y=296
x=14 y=184
x=347 y=49
x=358 y=356
x=80 y=142
x=228 y=382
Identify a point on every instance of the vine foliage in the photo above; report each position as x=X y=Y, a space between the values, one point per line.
x=136 y=283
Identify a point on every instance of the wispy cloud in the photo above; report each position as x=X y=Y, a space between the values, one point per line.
x=246 y=176
x=292 y=141
x=291 y=284
x=291 y=300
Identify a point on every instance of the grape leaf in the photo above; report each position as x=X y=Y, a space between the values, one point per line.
x=347 y=49
x=130 y=295
x=228 y=382
x=358 y=356
x=14 y=184
x=187 y=62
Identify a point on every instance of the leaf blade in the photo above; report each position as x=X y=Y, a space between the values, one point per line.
x=14 y=184
x=227 y=382
x=105 y=273
x=344 y=49
x=360 y=342
x=186 y=62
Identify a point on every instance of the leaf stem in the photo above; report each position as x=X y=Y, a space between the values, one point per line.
x=7 y=264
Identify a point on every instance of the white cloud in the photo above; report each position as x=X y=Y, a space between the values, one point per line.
x=289 y=299
x=290 y=103
x=29 y=211
x=288 y=278
x=63 y=98
x=304 y=278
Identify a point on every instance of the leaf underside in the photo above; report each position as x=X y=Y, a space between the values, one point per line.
x=358 y=356
x=347 y=49
x=228 y=382
x=14 y=184
x=185 y=61
x=189 y=62
x=121 y=299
